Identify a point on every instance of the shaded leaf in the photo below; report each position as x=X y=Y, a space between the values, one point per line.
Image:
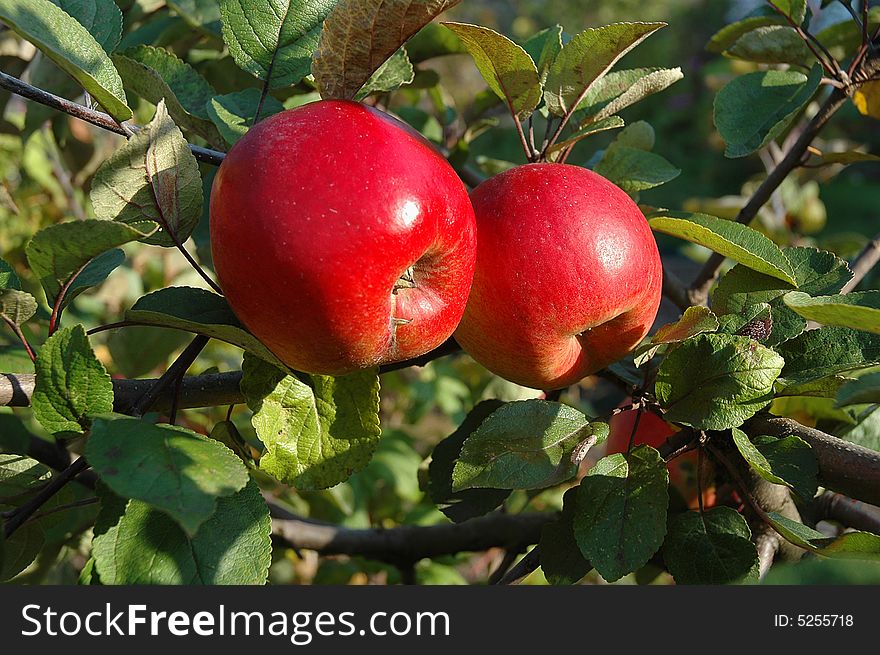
x=712 y=547
x=730 y=34
x=8 y=278
x=620 y=516
x=469 y=503
x=635 y=170
x=817 y=354
x=64 y=251
x=170 y=468
x=773 y=44
x=543 y=48
x=561 y=560
x=199 y=311
x=135 y=544
x=610 y=123
x=17 y=306
x=754 y=109
x=789 y=461
x=865 y=389
x=102 y=18
x=528 y=444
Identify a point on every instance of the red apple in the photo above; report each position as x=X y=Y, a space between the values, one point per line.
x=568 y=276
x=341 y=238
x=654 y=431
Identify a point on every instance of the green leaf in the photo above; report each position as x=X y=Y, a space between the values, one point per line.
x=358 y=37
x=754 y=109
x=317 y=430
x=137 y=350
x=739 y=242
x=273 y=40
x=695 y=320
x=8 y=278
x=199 y=311
x=507 y=68
x=170 y=468
x=712 y=547
x=397 y=71
x=62 y=252
x=816 y=272
x=543 y=48
x=153 y=176
x=460 y=506
x=789 y=461
x=773 y=44
x=528 y=444
x=849 y=545
x=71 y=383
x=102 y=18
x=135 y=544
x=865 y=389
x=716 y=381
x=607 y=88
x=586 y=58
x=17 y=306
x=19 y=550
x=651 y=83
x=610 y=123
x=859 y=310
x=203 y=15
x=234 y=113
x=157 y=74
x=620 y=518
x=635 y=170
x=19 y=475
x=95 y=272
x=66 y=42
x=817 y=354
x=730 y=34
x=561 y=560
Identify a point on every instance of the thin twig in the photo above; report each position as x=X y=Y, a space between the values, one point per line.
x=96 y=118
x=23 y=512
x=699 y=291
x=863 y=263
x=524 y=568
x=16 y=329
x=830 y=65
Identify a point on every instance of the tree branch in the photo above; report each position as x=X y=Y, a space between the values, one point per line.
x=93 y=116
x=843 y=466
x=699 y=291
x=408 y=543
x=863 y=263
x=847 y=511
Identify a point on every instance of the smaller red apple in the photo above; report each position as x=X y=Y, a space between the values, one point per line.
x=654 y=431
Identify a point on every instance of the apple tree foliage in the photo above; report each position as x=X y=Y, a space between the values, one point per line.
x=169 y=503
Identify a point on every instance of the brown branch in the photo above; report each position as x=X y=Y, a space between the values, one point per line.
x=699 y=291
x=524 y=568
x=863 y=263
x=843 y=466
x=409 y=543
x=96 y=118
x=847 y=511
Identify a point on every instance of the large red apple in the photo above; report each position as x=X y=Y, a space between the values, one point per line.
x=341 y=238
x=654 y=431
x=568 y=276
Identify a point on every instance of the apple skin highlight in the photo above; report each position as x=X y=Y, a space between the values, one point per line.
x=341 y=238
